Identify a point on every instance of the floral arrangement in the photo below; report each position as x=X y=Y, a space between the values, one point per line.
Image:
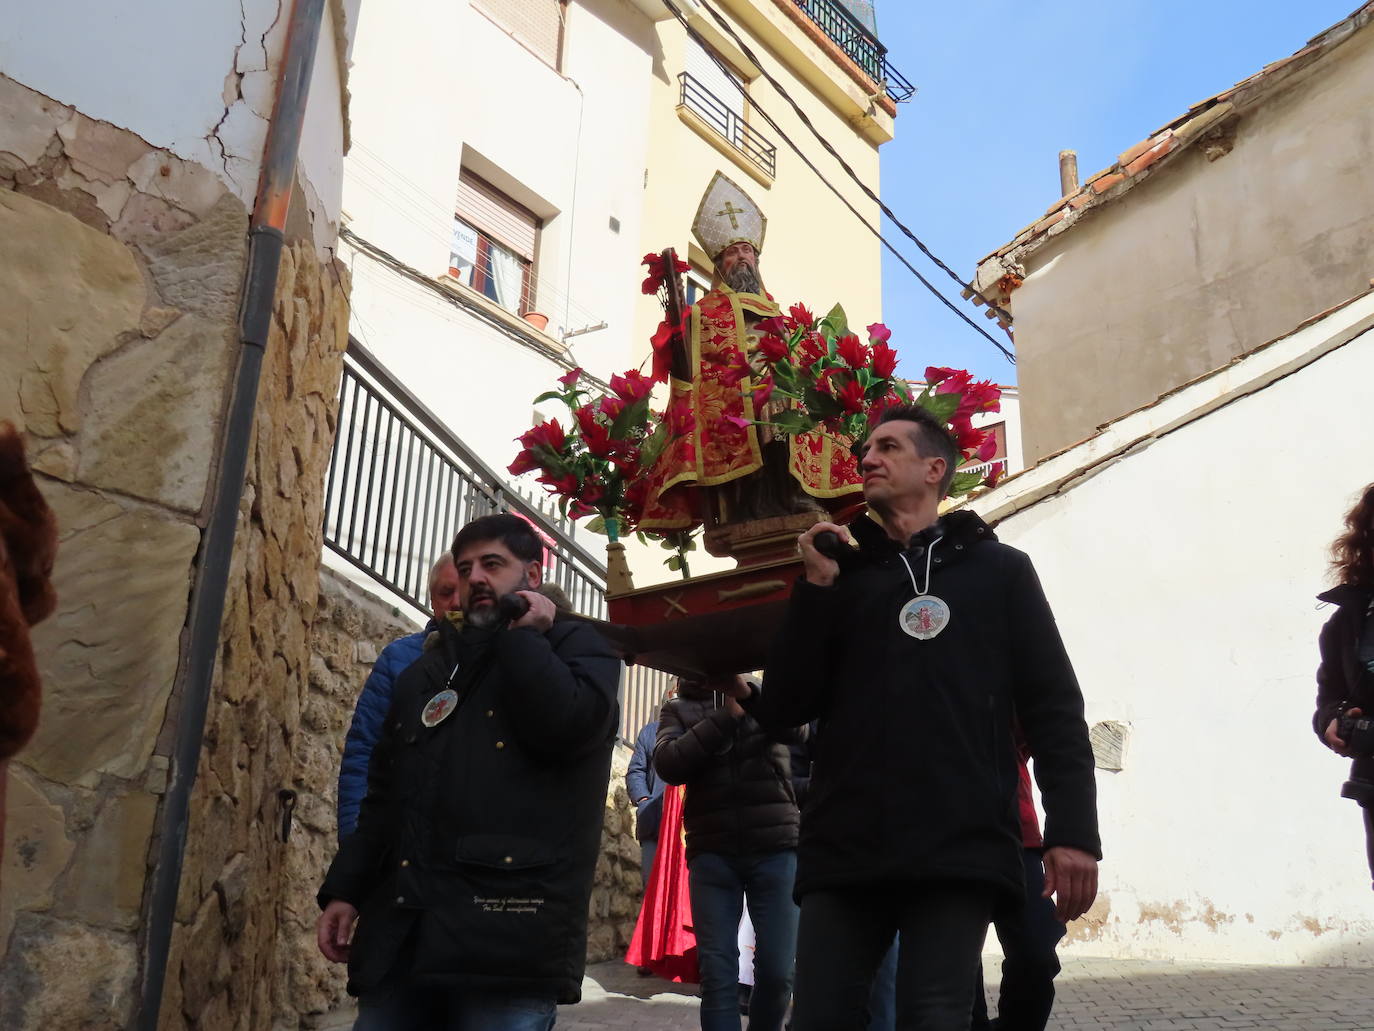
x=594 y=464
x=808 y=376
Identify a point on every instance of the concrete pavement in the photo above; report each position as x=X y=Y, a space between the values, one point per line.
x=1105 y=994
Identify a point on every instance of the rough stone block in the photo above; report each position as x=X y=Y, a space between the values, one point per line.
x=105 y=885
x=63 y=975
x=37 y=850
x=153 y=419
x=200 y=269
x=108 y=655
x=70 y=293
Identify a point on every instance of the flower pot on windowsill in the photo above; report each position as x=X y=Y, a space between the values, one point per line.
x=537 y=319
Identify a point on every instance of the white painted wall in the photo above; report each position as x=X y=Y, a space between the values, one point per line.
x=1183 y=578
x=437 y=84
x=170 y=72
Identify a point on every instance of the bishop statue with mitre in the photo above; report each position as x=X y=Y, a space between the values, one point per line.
x=719 y=442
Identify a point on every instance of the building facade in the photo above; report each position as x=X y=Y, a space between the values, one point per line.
x=1246 y=214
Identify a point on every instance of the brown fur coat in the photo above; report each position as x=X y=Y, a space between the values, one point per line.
x=28 y=545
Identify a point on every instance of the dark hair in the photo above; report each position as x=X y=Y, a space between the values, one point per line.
x=1352 y=554
x=932 y=438
x=512 y=531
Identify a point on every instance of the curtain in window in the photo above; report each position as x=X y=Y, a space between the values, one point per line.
x=507 y=278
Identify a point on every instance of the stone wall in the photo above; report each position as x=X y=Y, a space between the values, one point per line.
x=223 y=963
x=350 y=630
x=123 y=267
x=617 y=889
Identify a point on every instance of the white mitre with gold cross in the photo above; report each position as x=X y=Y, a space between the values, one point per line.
x=727 y=215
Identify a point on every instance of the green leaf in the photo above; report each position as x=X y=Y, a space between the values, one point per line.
x=964 y=482
x=549 y=395
x=668 y=544
x=942 y=406
x=596 y=524
x=793 y=421
x=903 y=389
x=822 y=405
x=835 y=324
x=630 y=417
x=673 y=562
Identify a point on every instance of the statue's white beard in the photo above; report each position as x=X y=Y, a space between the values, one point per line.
x=742 y=278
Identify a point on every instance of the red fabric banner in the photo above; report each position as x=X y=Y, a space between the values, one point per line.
x=663 y=940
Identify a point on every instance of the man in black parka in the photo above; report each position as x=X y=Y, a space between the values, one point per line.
x=915 y=658
x=471 y=867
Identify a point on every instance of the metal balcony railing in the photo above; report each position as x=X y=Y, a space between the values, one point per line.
x=400 y=486
x=860 y=45
x=726 y=121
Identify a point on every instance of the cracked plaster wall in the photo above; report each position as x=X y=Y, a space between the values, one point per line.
x=195 y=79
x=1183 y=578
x=124 y=264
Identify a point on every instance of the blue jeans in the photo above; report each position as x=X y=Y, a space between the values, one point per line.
x=404 y=1007
x=720 y=886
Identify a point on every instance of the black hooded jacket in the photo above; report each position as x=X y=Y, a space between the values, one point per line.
x=476 y=843
x=739 y=778
x=1341 y=682
x=914 y=769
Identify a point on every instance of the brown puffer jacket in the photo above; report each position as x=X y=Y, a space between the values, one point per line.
x=739 y=785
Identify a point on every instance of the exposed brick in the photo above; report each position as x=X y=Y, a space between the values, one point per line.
x=1080 y=199
x=1045 y=223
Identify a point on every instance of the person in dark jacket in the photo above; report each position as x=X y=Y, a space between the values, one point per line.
x=375 y=700
x=741 y=820
x=646 y=793
x=1345 y=678
x=470 y=871
x=914 y=659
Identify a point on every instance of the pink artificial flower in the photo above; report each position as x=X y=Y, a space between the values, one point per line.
x=879 y=334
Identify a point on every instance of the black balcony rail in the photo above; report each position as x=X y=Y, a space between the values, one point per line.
x=863 y=48
x=400 y=486
x=726 y=121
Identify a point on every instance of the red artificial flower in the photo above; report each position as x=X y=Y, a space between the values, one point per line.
x=565 y=485
x=987 y=449
x=851 y=396
x=884 y=360
x=812 y=349
x=853 y=351
x=773 y=348
x=611 y=407
x=632 y=386
x=969 y=437
x=595 y=435
x=878 y=333
x=524 y=462
x=937 y=374
x=735 y=421
x=546 y=434
x=995 y=476
x=801 y=316
x=654 y=279
x=626 y=461
x=734 y=368
x=777 y=325
x=570 y=378
x=679 y=418
x=763 y=390
x=955 y=383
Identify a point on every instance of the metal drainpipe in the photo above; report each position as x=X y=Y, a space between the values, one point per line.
x=265 y=238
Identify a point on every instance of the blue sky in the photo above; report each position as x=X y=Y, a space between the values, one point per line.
x=1003 y=87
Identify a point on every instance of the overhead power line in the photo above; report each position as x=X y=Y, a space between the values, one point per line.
x=782 y=91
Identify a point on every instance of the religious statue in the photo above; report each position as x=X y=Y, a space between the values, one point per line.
x=725 y=468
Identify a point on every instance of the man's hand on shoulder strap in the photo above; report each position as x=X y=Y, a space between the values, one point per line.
x=1071 y=877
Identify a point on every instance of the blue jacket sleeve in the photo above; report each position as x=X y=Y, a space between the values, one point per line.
x=639 y=776
x=368 y=718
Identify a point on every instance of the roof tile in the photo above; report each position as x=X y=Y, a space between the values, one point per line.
x=1106 y=182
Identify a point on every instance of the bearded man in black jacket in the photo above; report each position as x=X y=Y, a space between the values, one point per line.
x=471 y=867
x=916 y=658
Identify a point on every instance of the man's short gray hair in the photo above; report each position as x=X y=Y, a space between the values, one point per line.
x=446 y=559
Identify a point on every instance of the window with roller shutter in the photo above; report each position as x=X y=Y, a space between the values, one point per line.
x=495 y=243
x=536 y=23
